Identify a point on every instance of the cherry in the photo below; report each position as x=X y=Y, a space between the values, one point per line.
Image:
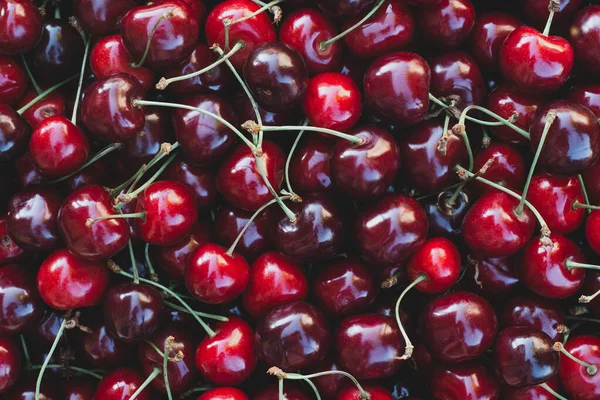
x=99 y=240
x=274 y=281
x=390 y=231
x=396 y=88
x=223 y=393
x=447 y=22
x=9 y=250
x=13 y=80
x=21 y=27
x=445 y=219
x=53 y=104
x=578 y=380
x=492 y=277
x=160 y=34
x=584 y=36
x=457 y=74
x=215 y=275
x=108 y=111
x=32 y=218
x=228 y=358
x=200 y=180
x=487 y=36
x=375 y=393
x=316 y=234
x=48 y=327
x=204 y=139
x=507 y=168
x=97 y=346
x=101 y=17
x=438 y=263
x=333 y=101
x=391 y=28
x=132 y=311
x=573 y=141
x=464 y=381
x=537 y=10
x=304 y=30
x=541 y=314
x=458 y=327
x=369 y=346
x=240 y=180
x=121 y=384
x=80 y=389
x=292 y=336
x=255 y=240
x=251 y=32
x=587 y=95
x=309 y=169
x=22 y=307
x=66 y=282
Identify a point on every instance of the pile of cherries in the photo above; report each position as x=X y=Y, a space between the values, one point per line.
x=299 y=199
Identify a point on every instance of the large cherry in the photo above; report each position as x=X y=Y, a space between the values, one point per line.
x=21 y=306
x=507 y=102
x=101 y=17
x=21 y=26
x=577 y=380
x=121 y=384
x=13 y=80
x=584 y=36
x=487 y=36
x=310 y=167
x=457 y=74
x=255 y=241
x=10 y=363
x=464 y=381
x=447 y=22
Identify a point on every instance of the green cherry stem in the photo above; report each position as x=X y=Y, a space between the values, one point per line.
x=92 y=221
x=132 y=195
x=166 y=15
x=43 y=94
x=587 y=299
x=409 y=347
x=102 y=153
x=30 y=75
x=552 y=391
x=251 y=125
x=577 y=205
x=88 y=41
x=198 y=313
x=25 y=351
x=289 y=158
x=574 y=264
x=289 y=213
x=553 y=7
x=38 y=383
x=591 y=369
x=136 y=273
x=155 y=372
x=153 y=274
x=168 y=347
x=71 y=367
x=586 y=197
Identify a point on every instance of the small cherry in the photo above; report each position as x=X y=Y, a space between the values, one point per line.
x=10 y=363
x=309 y=169
x=53 y=104
x=578 y=369
x=539 y=313
x=255 y=241
x=223 y=393
x=101 y=17
x=464 y=381
x=584 y=36
x=457 y=74
x=447 y=22
x=487 y=36
x=21 y=26
x=121 y=384
x=13 y=81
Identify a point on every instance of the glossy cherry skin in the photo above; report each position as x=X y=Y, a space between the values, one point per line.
x=464 y=381
x=292 y=336
x=542 y=314
x=396 y=88
x=584 y=36
x=575 y=380
x=304 y=30
x=310 y=167
x=390 y=231
x=14 y=134
x=21 y=26
x=100 y=240
x=121 y=384
x=351 y=392
x=538 y=12
x=239 y=179
x=98 y=347
x=228 y=358
x=53 y=104
x=458 y=327
x=66 y=282
x=9 y=250
x=507 y=168
x=573 y=141
x=447 y=22
x=200 y=180
x=391 y=28
x=223 y=393
x=333 y=101
x=439 y=261
x=101 y=17
x=32 y=218
x=204 y=139
x=531 y=392
x=109 y=57
x=21 y=307
x=13 y=80
x=173 y=38
x=491 y=226
x=535 y=63
x=588 y=95
x=10 y=363
x=426 y=168
x=553 y=196
x=457 y=74
x=487 y=36
x=251 y=32
x=274 y=281
x=318 y=232
x=445 y=220
x=369 y=346
x=171 y=212
x=107 y=109
x=542 y=268
x=491 y=277
x=213 y=276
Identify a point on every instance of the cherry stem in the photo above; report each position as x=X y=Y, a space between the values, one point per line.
x=314 y=388
x=149 y=379
x=166 y=15
x=468 y=118
x=102 y=153
x=153 y=274
x=132 y=195
x=350 y=138
x=201 y=111
x=57 y=13
x=587 y=299
x=552 y=391
x=577 y=205
x=281 y=396
x=408 y=349
x=115 y=268
x=289 y=213
x=92 y=221
x=43 y=94
x=324 y=44
x=264 y=7
x=391 y=281
x=451 y=201
x=72 y=368
x=151 y=164
x=293 y=376
x=289 y=158
x=586 y=197
x=25 y=351
x=80 y=84
x=59 y=334
x=550 y=117
x=486 y=140
x=553 y=7
x=591 y=369
x=199 y=313
x=168 y=344
x=30 y=75
x=136 y=273
x=574 y=264
x=164 y=82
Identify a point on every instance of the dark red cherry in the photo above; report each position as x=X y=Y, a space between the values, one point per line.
x=100 y=17
x=53 y=104
x=447 y=22
x=369 y=346
x=107 y=109
x=213 y=276
x=47 y=328
x=271 y=392
x=32 y=219
x=170 y=212
x=585 y=36
x=507 y=168
x=351 y=392
x=391 y=28
x=9 y=250
x=80 y=388
x=99 y=240
x=333 y=101
x=203 y=139
x=239 y=179
x=228 y=358
x=66 y=282
x=200 y=180
x=492 y=227
x=344 y=8
x=537 y=11
x=310 y=168
x=531 y=392
x=487 y=36
x=542 y=314
x=577 y=382
x=438 y=260
x=445 y=219
x=535 y=63
x=132 y=311
x=457 y=74
x=121 y=384
x=27 y=173
x=464 y=381
x=15 y=133
x=274 y=281
x=21 y=306
x=251 y=32
x=255 y=241
x=396 y=88
x=171 y=38
x=304 y=30
x=492 y=277
x=98 y=347
x=390 y=231
x=21 y=26
x=143 y=146
x=224 y=393
x=573 y=141
x=10 y=363
x=458 y=327
x=316 y=234
x=588 y=95
x=292 y=336
x=13 y=80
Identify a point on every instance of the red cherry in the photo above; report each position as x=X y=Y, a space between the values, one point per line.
x=492 y=277
x=447 y=22
x=438 y=260
x=121 y=384
x=200 y=180
x=21 y=26
x=255 y=241
x=223 y=393
x=541 y=314
x=13 y=80
x=532 y=392
x=101 y=17
x=591 y=178
x=351 y=392
x=15 y=134
x=464 y=381
x=445 y=219
x=98 y=347
x=310 y=168
x=587 y=95
x=53 y=104
x=487 y=36
x=457 y=74
x=585 y=35
x=507 y=168
x=10 y=363
x=575 y=378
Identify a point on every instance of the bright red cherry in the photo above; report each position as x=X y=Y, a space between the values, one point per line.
x=577 y=380
x=464 y=381
x=447 y=22
x=53 y=104
x=13 y=80
x=21 y=26
x=223 y=393
x=438 y=261
x=21 y=307
x=487 y=36
x=10 y=363
x=101 y=17
x=121 y=384
x=539 y=313
x=506 y=101
x=457 y=74
x=585 y=36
